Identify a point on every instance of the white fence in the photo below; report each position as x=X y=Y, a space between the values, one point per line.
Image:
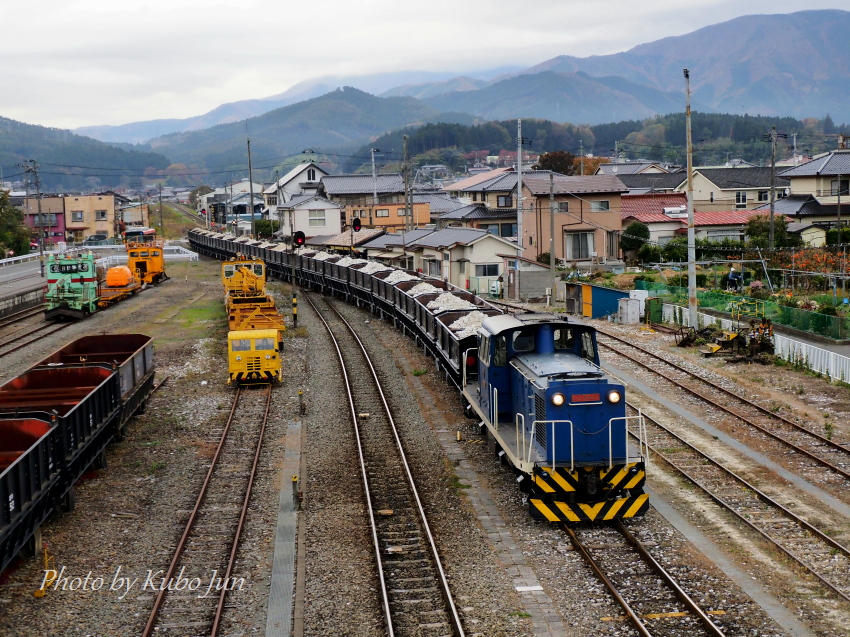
x=172 y=253
x=817 y=359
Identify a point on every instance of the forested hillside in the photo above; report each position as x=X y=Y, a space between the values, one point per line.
x=67 y=160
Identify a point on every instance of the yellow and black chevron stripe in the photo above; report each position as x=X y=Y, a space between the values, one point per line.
x=254 y=377
x=557 y=511
x=561 y=481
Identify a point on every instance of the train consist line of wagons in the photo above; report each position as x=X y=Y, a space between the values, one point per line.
x=533 y=380
x=56 y=420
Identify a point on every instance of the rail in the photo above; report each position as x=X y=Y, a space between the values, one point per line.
x=151 y=625
x=655 y=567
x=833 y=546
x=455 y=622
x=820 y=442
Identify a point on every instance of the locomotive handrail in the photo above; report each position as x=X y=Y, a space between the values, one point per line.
x=554 y=446
x=530 y=379
x=640 y=437
x=465 y=358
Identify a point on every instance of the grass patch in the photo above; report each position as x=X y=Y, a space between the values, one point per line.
x=420 y=372
x=519 y=613
x=457 y=484
x=155 y=466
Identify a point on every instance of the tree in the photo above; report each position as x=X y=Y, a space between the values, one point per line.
x=828 y=125
x=558 y=161
x=543 y=258
x=635 y=236
x=200 y=191
x=14 y=235
x=758 y=230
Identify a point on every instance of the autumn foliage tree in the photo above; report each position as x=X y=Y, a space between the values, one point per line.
x=558 y=161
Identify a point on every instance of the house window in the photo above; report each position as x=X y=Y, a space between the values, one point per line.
x=488 y=269
x=504 y=201
x=402 y=212
x=733 y=234
x=711 y=197
x=508 y=229
x=382 y=212
x=578 y=245
x=600 y=206
x=273 y=200
x=461 y=267
x=446 y=256
x=77 y=216
x=475 y=196
x=492 y=228
x=316 y=218
x=563 y=206
x=741 y=199
x=100 y=215
x=764 y=195
x=842 y=187
x=311 y=174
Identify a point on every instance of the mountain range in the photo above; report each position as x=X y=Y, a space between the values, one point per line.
x=794 y=64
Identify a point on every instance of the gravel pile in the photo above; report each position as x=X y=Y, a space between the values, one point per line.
x=398 y=276
x=423 y=288
x=468 y=325
x=449 y=301
x=374 y=266
x=322 y=256
x=346 y=261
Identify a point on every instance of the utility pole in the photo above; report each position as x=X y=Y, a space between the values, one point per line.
x=161 y=225
x=794 y=135
x=30 y=166
x=770 y=238
x=251 y=189
x=374 y=179
x=692 y=251
x=772 y=137
x=581 y=155
x=617 y=147
x=407 y=211
x=519 y=187
x=277 y=202
x=552 y=235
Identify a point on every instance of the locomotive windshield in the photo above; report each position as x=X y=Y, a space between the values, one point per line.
x=564 y=339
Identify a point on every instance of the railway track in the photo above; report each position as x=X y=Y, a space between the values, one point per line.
x=414 y=592
x=5 y=350
x=653 y=601
x=207 y=549
x=17 y=317
x=818 y=451
x=826 y=559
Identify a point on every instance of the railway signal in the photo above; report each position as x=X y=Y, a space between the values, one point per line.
x=355 y=224
x=298 y=238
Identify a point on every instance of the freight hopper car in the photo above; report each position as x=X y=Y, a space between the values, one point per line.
x=532 y=380
x=255 y=337
x=56 y=420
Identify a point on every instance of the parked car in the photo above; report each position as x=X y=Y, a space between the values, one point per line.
x=95 y=240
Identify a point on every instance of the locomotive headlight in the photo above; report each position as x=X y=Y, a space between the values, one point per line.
x=557 y=399
x=239 y=358
x=268 y=357
x=614 y=396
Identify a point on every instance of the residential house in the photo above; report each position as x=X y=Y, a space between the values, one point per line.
x=641 y=183
x=826 y=178
x=710 y=225
x=137 y=214
x=805 y=208
x=52 y=220
x=459 y=189
x=304 y=179
x=347 y=240
x=811 y=235
x=356 y=194
x=220 y=201
x=391 y=248
x=501 y=222
x=587 y=220
x=87 y=215
x=631 y=168
x=738 y=188
x=439 y=203
x=309 y=213
x=466 y=257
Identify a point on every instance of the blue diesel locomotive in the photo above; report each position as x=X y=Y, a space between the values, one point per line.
x=557 y=418
x=532 y=380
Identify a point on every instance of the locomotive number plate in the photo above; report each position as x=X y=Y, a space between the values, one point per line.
x=584 y=398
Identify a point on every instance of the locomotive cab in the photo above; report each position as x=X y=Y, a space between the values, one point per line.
x=559 y=418
x=254 y=356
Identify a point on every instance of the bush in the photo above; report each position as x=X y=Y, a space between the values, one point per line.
x=649 y=253
x=828 y=310
x=645 y=277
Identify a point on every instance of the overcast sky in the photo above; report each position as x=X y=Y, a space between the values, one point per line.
x=70 y=63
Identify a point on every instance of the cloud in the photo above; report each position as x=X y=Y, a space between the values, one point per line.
x=88 y=62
